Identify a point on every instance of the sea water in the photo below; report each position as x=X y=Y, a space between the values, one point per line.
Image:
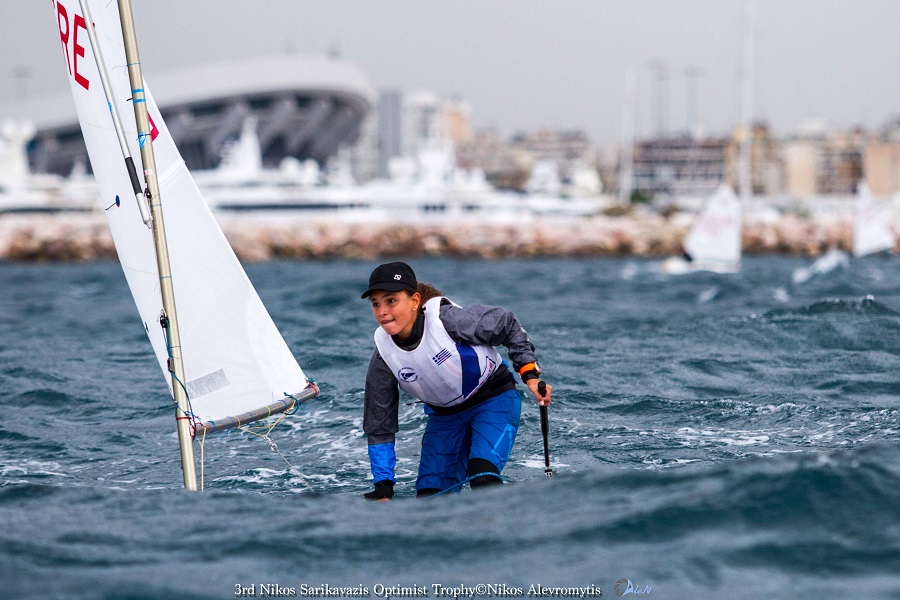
x=713 y=436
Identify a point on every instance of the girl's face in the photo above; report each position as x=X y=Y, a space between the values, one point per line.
x=395 y=311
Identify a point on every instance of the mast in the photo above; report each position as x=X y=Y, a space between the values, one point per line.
x=746 y=142
x=168 y=319
x=626 y=160
x=114 y=113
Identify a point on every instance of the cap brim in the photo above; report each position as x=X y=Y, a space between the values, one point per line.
x=387 y=286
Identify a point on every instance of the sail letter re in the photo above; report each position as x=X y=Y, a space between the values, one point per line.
x=65 y=32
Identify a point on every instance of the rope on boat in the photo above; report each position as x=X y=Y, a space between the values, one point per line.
x=189 y=414
x=272 y=443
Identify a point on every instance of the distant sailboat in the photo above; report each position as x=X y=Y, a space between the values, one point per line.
x=870 y=233
x=714 y=241
x=224 y=360
x=870 y=236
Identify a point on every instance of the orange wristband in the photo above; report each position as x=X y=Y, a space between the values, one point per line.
x=528 y=367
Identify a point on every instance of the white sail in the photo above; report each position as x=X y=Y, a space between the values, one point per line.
x=235 y=360
x=870 y=233
x=714 y=241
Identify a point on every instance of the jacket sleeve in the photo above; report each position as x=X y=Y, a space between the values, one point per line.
x=490 y=326
x=381 y=417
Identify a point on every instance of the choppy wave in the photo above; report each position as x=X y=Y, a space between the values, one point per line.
x=712 y=436
x=862 y=306
x=812 y=520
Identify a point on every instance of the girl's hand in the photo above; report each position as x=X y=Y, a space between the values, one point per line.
x=533 y=386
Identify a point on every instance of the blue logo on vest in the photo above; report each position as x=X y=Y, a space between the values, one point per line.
x=407 y=374
x=441 y=356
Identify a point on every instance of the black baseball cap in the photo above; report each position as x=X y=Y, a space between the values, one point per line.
x=391 y=277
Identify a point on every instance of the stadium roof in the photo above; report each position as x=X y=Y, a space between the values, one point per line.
x=326 y=98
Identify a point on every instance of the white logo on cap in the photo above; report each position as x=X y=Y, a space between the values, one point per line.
x=397 y=277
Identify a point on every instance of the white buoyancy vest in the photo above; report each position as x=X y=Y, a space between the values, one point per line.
x=438 y=371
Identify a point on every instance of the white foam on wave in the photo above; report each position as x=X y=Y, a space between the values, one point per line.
x=538 y=463
x=774 y=408
x=828 y=262
x=705 y=437
x=753 y=440
x=629 y=271
x=33 y=467
x=707 y=295
x=263 y=475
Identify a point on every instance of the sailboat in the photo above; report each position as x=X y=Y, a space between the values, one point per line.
x=870 y=233
x=223 y=358
x=870 y=236
x=714 y=241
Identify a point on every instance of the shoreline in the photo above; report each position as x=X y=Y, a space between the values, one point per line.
x=86 y=236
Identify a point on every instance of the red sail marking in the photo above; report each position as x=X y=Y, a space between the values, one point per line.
x=65 y=32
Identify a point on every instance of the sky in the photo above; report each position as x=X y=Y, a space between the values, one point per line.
x=529 y=64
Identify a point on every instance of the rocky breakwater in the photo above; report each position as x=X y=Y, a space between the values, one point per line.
x=86 y=237
x=57 y=237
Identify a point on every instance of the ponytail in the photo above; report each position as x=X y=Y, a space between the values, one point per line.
x=427 y=292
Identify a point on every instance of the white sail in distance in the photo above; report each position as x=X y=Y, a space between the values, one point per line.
x=715 y=237
x=870 y=233
x=238 y=367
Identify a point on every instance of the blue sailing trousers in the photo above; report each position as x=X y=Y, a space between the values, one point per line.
x=486 y=431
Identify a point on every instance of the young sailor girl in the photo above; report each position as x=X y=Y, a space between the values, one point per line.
x=444 y=355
